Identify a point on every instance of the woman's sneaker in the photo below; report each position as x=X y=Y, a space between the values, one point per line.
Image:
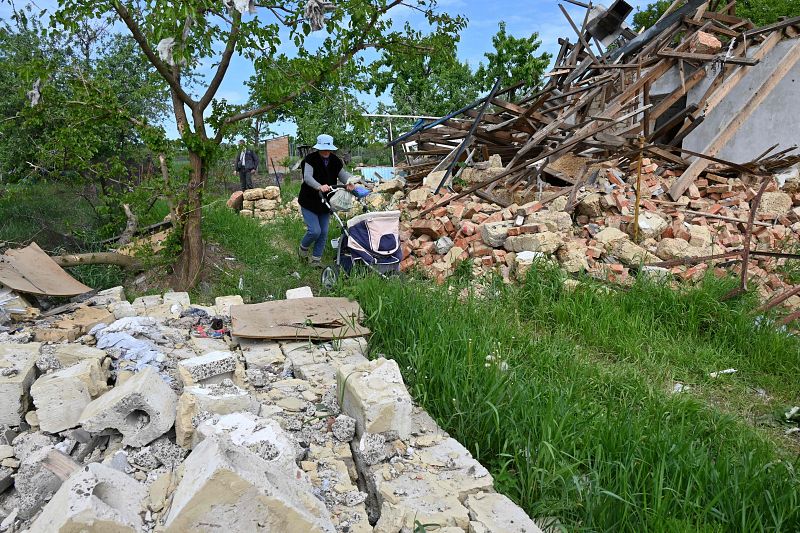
x=315 y=262
x=302 y=252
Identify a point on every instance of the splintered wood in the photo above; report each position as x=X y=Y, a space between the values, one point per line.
x=597 y=102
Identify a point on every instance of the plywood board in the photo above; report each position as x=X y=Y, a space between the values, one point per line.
x=302 y=318
x=32 y=271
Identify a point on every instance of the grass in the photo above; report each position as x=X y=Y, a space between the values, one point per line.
x=263 y=256
x=564 y=397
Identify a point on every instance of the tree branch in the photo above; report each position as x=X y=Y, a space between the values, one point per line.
x=361 y=45
x=224 y=63
x=161 y=67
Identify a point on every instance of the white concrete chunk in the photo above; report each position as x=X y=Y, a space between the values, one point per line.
x=96 y=499
x=202 y=400
x=222 y=304
x=300 y=292
x=142 y=409
x=226 y=487
x=498 y=514
x=61 y=396
x=17 y=372
x=374 y=394
x=212 y=367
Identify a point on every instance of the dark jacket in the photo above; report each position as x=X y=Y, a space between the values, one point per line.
x=250 y=161
x=309 y=197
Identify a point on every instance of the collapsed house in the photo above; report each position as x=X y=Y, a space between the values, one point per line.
x=674 y=149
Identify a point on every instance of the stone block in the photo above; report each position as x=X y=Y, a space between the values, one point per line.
x=267 y=205
x=251 y=195
x=180 y=298
x=212 y=367
x=142 y=409
x=651 y=225
x=17 y=373
x=199 y=402
x=226 y=487
x=416 y=497
x=61 y=396
x=272 y=193
x=262 y=355
x=546 y=242
x=70 y=354
x=494 y=234
x=222 y=304
x=498 y=513
x=374 y=394
x=95 y=499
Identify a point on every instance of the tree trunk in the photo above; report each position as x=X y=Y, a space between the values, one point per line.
x=190 y=262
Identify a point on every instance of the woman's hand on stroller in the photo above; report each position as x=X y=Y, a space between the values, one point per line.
x=325 y=189
x=350 y=187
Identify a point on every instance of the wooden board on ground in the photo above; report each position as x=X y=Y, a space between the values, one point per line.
x=302 y=318
x=32 y=271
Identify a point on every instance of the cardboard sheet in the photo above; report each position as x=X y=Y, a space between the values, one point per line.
x=32 y=271
x=301 y=318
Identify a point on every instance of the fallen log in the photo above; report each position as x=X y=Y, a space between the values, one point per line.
x=98 y=258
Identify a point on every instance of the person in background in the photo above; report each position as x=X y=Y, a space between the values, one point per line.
x=246 y=165
x=322 y=170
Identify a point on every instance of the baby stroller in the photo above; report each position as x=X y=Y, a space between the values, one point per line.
x=370 y=239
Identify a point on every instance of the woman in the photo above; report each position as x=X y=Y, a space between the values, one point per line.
x=321 y=171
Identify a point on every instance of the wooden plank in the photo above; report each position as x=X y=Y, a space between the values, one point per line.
x=749 y=61
x=727 y=130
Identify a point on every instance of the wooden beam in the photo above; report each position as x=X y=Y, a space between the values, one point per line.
x=749 y=61
x=729 y=129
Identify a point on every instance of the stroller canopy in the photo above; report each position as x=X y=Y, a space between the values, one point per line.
x=376 y=234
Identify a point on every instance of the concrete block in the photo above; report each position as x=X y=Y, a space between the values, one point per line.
x=17 y=372
x=96 y=499
x=374 y=394
x=455 y=468
x=142 y=409
x=226 y=487
x=34 y=482
x=222 y=304
x=70 y=354
x=262 y=436
x=212 y=367
x=408 y=498
x=205 y=400
x=300 y=292
x=262 y=355
x=498 y=513
x=180 y=298
x=61 y=396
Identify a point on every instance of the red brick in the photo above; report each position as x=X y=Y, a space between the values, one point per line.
x=439 y=212
x=478 y=249
x=407 y=263
x=616 y=267
x=431 y=228
x=468 y=228
x=479 y=218
x=716 y=208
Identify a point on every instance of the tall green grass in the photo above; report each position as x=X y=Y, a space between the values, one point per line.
x=545 y=388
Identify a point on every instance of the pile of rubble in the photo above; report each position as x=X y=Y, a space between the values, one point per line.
x=646 y=149
x=589 y=228
x=263 y=204
x=154 y=419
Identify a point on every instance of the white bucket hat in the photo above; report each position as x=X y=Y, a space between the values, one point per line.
x=325 y=142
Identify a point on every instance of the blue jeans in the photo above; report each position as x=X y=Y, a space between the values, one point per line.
x=317 y=231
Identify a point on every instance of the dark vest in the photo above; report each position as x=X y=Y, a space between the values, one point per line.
x=309 y=198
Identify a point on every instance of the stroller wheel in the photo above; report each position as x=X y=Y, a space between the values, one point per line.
x=329 y=276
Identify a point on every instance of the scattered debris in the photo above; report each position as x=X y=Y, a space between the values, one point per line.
x=722 y=372
x=262 y=440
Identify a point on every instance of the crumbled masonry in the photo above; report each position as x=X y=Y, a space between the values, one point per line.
x=222 y=434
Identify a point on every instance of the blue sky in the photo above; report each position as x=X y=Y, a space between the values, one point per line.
x=522 y=17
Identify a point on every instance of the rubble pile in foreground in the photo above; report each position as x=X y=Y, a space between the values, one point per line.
x=116 y=417
x=590 y=227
